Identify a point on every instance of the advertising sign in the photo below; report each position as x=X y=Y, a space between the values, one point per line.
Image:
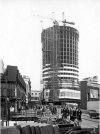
x=68 y=93
x=93 y=93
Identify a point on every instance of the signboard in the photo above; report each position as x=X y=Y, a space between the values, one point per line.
x=93 y=93
x=68 y=93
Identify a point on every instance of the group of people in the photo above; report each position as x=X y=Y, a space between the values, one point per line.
x=67 y=112
x=45 y=109
x=72 y=113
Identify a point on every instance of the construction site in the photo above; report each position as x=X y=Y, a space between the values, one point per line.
x=60 y=71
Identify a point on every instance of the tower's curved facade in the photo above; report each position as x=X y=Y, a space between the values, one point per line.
x=60 y=56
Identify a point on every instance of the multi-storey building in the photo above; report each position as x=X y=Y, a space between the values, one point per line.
x=90 y=93
x=13 y=91
x=28 y=89
x=60 y=61
x=35 y=97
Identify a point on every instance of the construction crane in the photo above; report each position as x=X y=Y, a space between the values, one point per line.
x=55 y=21
x=64 y=20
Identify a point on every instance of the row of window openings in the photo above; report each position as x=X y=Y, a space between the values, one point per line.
x=61 y=69
x=11 y=86
x=66 y=43
x=62 y=65
x=67 y=53
x=35 y=93
x=64 y=53
x=69 y=62
x=60 y=31
x=61 y=44
x=68 y=57
x=61 y=62
x=63 y=79
x=63 y=48
x=68 y=40
x=70 y=50
x=60 y=36
x=61 y=74
x=65 y=40
x=63 y=30
x=67 y=47
x=57 y=38
x=74 y=57
x=63 y=59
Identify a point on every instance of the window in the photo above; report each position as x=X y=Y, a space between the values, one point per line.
x=47 y=94
x=62 y=93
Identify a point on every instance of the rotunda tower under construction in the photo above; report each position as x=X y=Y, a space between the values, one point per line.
x=60 y=59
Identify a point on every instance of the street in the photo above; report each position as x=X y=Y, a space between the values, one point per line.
x=87 y=122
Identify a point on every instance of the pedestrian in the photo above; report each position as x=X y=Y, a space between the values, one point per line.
x=54 y=110
x=74 y=113
x=71 y=113
x=79 y=113
x=65 y=112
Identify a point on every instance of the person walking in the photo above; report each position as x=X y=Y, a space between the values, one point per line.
x=74 y=113
x=71 y=113
x=79 y=114
x=65 y=112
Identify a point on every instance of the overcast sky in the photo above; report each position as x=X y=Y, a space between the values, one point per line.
x=20 y=34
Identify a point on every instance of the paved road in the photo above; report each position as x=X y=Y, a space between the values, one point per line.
x=87 y=122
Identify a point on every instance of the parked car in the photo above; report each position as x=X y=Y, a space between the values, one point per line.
x=94 y=113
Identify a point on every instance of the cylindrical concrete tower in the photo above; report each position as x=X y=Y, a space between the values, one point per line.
x=60 y=57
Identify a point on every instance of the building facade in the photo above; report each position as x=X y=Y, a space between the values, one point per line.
x=60 y=62
x=13 y=91
x=28 y=89
x=35 y=97
x=90 y=93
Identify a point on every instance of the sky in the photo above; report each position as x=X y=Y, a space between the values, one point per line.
x=20 y=34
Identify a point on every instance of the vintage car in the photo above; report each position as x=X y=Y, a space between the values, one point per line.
x=94 y=113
